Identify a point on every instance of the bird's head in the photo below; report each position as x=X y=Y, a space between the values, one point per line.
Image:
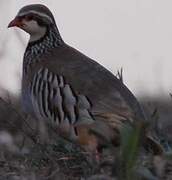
x=34 y=19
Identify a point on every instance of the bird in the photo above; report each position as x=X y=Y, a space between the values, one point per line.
x=84 y=101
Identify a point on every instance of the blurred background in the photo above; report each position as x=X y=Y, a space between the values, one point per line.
x=133 y=34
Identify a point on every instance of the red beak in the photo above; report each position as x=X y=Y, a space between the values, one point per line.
x=15 y=22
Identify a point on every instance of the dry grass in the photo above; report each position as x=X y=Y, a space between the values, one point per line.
x=24 y=156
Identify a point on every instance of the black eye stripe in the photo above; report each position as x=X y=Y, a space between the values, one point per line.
x=41 y=20
x=29 y=17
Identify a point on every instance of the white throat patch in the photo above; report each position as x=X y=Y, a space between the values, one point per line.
x=35 y=31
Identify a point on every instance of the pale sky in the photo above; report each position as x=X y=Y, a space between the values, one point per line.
x=133 y=34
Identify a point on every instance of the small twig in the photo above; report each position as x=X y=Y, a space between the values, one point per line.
x=119 y=75
x=66 y=158
x=155 y=112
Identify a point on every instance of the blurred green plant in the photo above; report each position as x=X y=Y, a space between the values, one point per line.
x=129 y=151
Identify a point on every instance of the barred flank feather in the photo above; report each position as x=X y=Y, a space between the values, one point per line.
x=54 y=101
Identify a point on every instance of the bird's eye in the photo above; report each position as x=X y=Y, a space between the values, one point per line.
x=29 y=17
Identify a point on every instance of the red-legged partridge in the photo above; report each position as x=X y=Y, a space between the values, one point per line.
x=83 y=100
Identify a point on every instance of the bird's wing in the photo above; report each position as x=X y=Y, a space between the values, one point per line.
x=54 y=101
x=105 y=91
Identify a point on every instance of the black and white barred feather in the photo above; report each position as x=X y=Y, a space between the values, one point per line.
x=54 y=101
x=34 y=50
